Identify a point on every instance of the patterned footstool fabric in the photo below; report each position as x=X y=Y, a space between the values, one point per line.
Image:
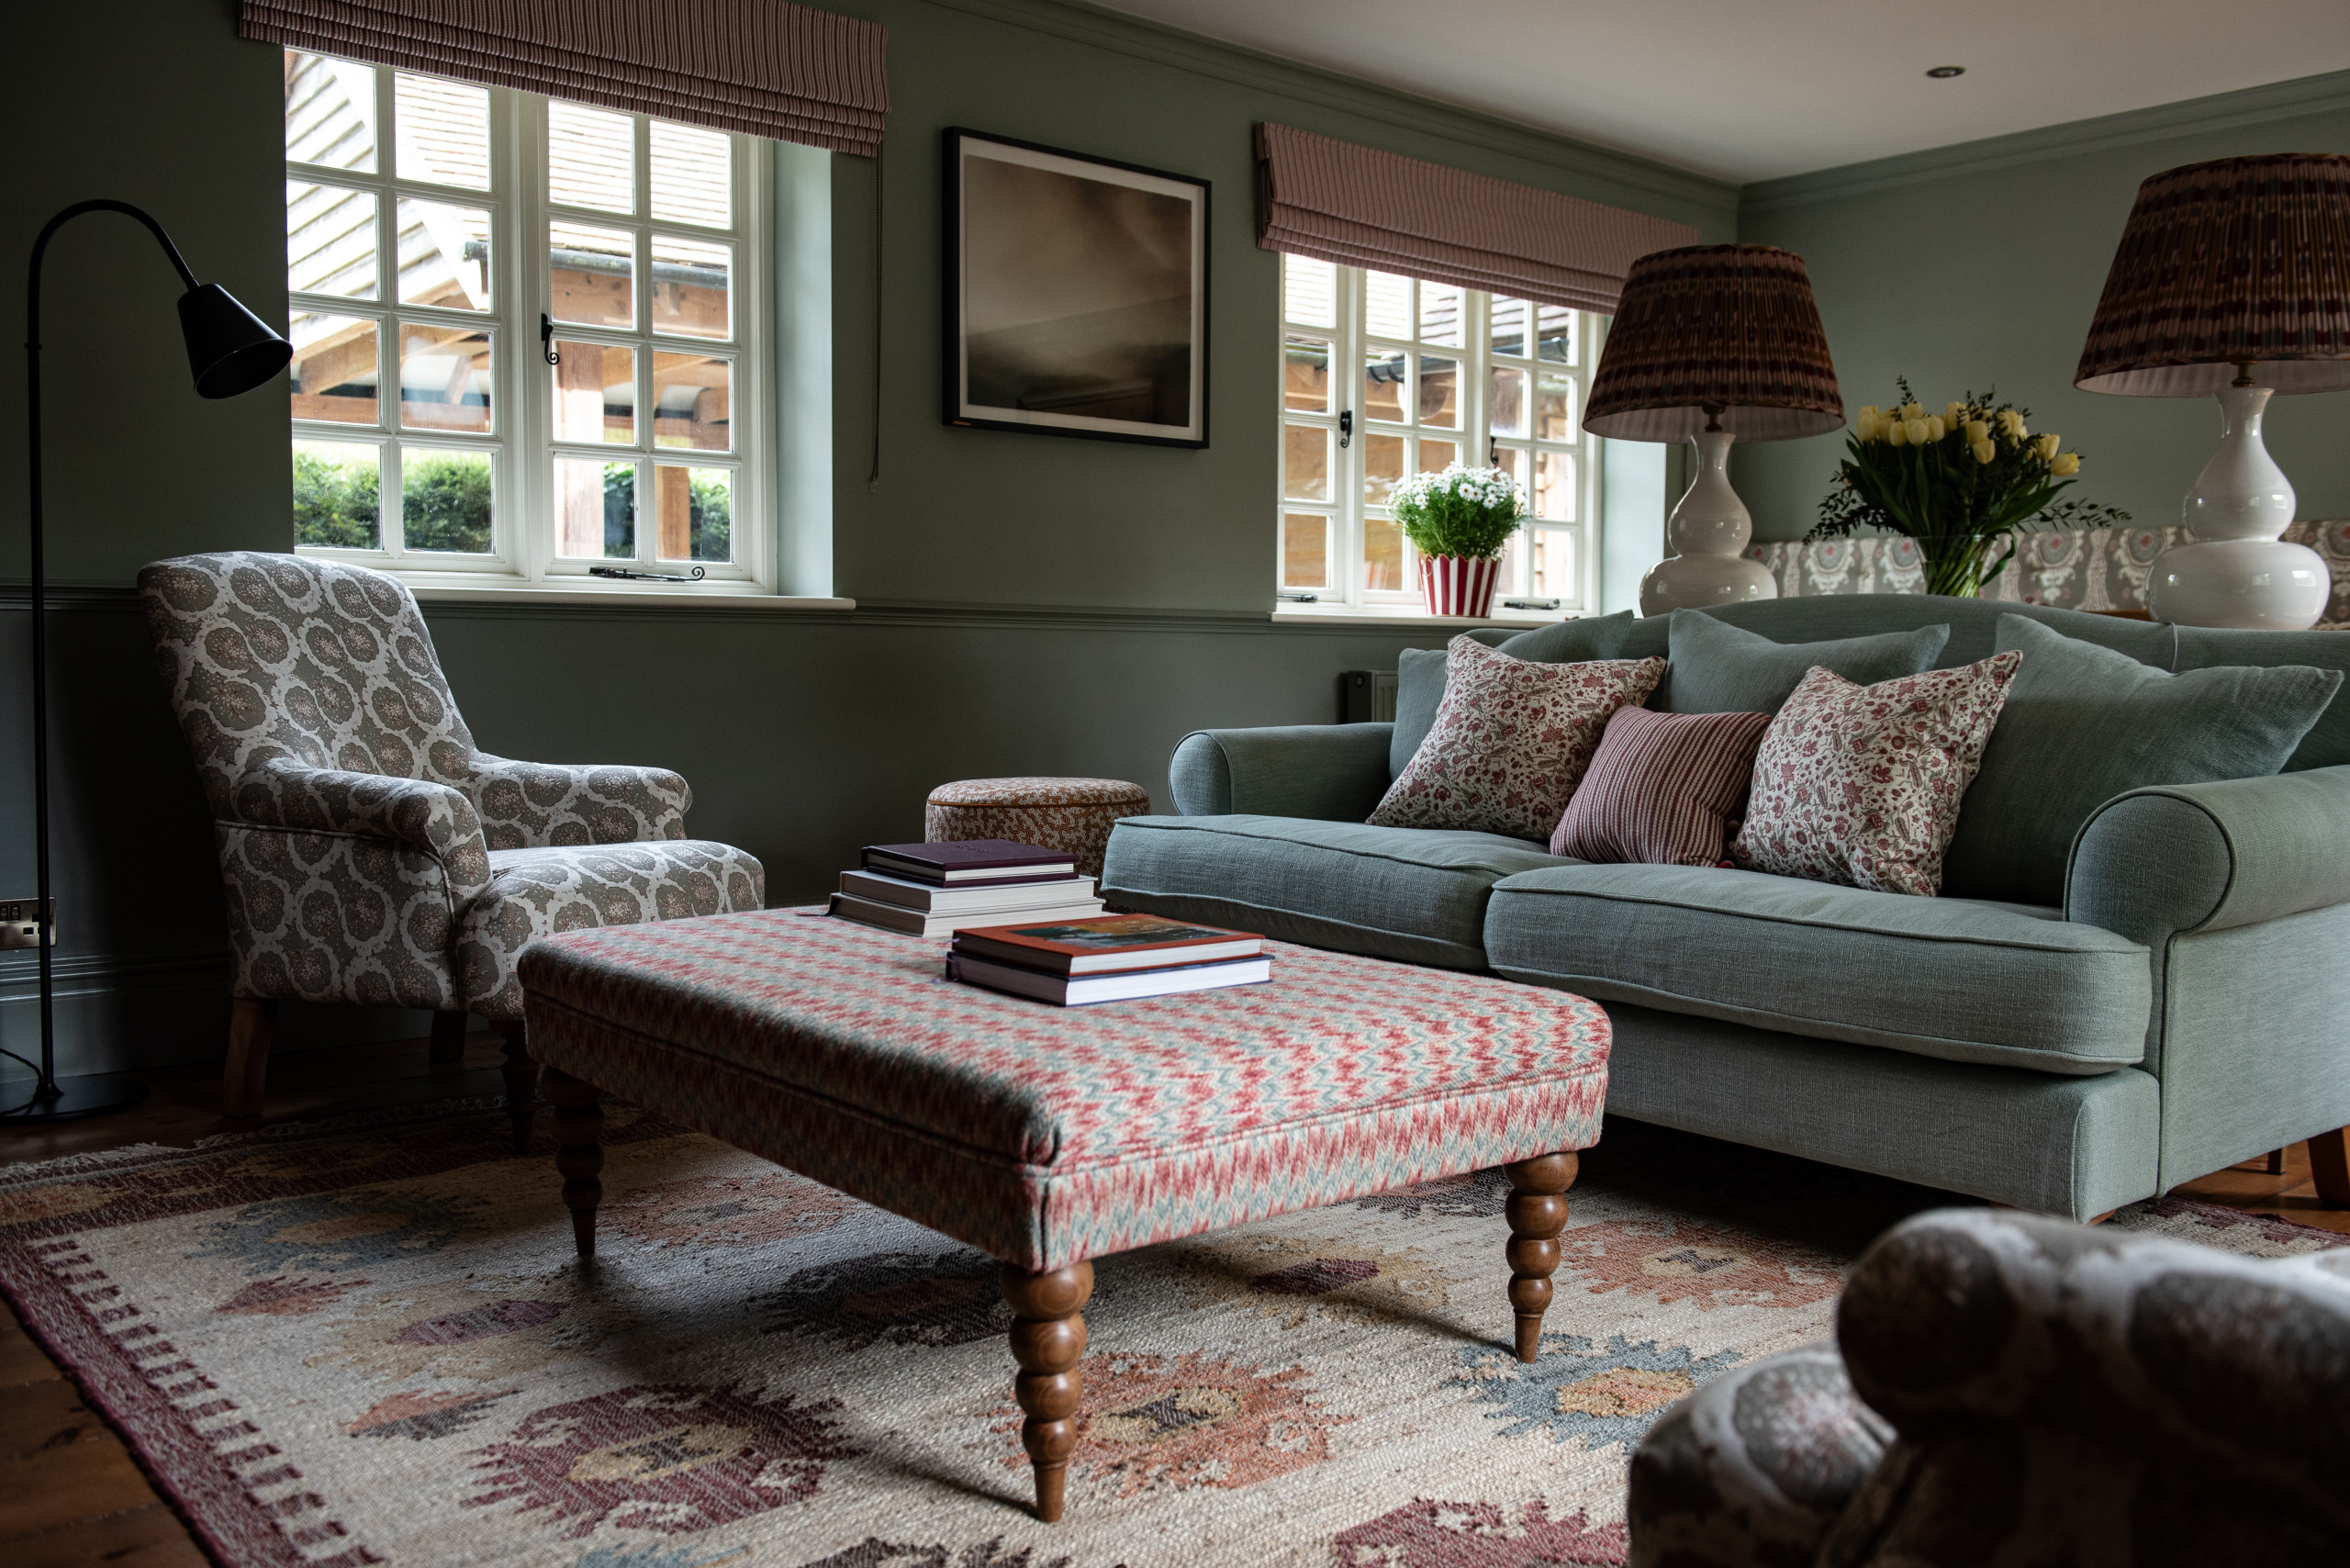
x=1046 y=1136
x=1075 y=814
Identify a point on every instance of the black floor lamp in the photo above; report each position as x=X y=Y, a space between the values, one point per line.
x=229 y=349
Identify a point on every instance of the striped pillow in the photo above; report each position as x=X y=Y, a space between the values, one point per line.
x=1661 y=789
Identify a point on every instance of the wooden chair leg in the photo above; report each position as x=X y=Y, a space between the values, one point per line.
x=521 y=1086
x=449 y=1036
x=1048 y=1341
x=1536 y=1213
x=578 y=1154
x=2275 y=1165
x=2329 y=1165
x=251 y=1025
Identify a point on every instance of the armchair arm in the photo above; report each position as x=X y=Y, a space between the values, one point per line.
x=416 y=814
x=529 y=805
x=1332 y=772
x=2182 y=858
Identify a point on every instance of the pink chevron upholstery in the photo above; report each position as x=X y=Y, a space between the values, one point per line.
x=1048 y=1136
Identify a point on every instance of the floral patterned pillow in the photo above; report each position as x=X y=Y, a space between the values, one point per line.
x=1860 y=785
x=1511 y=740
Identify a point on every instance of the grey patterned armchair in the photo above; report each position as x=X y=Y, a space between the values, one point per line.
x=371 y=855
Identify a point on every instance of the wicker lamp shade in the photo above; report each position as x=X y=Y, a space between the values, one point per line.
x=2241 y=260
x=1731 y=327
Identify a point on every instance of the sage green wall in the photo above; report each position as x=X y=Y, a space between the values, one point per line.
x=1981 y=265
x=1028 y=603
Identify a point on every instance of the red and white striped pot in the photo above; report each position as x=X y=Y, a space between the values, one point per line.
x=1455 y=585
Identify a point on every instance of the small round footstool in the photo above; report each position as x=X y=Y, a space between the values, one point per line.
x=1075 y=814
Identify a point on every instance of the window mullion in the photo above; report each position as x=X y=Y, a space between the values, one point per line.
x=530 y=535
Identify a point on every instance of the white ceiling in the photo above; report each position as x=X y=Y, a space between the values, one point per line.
x=1753 y=89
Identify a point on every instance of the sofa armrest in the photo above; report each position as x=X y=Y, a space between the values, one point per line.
x=2155 y=862
x=417 y=814
x=530 y=805
x=1330 y=772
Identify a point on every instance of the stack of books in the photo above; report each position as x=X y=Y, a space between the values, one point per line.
x=1115 y=958
x=935 y=890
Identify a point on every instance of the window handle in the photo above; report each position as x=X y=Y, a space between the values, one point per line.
x=546 y=340
x=1346 y=428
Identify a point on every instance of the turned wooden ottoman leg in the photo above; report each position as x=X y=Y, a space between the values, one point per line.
x=1048 y=1339
x=1538 y=1211
x=2330 y=1167
x=578 y=1124
x=521 y=1085
x=252 y=1024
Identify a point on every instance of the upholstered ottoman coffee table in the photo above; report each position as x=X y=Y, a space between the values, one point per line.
x=1050 y=1136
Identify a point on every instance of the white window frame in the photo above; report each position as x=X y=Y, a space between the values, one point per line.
x=522 y=550
x=1346 y=510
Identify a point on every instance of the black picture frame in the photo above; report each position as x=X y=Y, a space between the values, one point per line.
x=1061 y=293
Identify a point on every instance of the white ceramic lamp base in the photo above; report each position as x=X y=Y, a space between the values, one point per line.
x=1709 y=531
x=2238 y=572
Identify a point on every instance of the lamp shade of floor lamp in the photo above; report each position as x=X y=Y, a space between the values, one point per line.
x=1711 y=344
x=229 y=351
x=2233 y=279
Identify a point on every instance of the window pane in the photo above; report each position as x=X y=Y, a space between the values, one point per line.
x=591 y=274
x=444 y=378
x=692 y=176
x=689 y=286
x=595 y=509
x=591 y=157
x=1306 y=463
x=595 y=392
x=1554 y=410
x=1505 y=401
x=333 y=375
x=691 y=398
x=445 y=500
x=1305 y=550
x=1435 y=456
x=1383 y=465
x=1310 y=291
x=1554 y=562
x=1387 y=305
x=444 y=254
x=1305 y=375
x=336 y=495
x=1554 y=485
x=329 y=241
x=695 y=508
x=1557 y=332
x=1511 y=460
x=442 y=134
x=1440 y=314
x=1383 y=372
x=329 y=112
x=1510 y=327
x=1440 y=400
x=1382 y=557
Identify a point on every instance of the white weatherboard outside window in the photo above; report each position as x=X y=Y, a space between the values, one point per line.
x=442 y=240
x=1383 y=376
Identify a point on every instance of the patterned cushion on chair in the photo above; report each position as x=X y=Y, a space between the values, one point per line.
x=536 y=892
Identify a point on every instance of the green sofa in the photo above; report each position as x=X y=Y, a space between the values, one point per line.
x=2187 y=1008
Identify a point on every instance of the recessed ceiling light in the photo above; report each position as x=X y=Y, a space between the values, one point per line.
x=1939 y=71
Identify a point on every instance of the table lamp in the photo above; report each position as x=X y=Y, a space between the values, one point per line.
x=2232 y=278
x=1713 y=343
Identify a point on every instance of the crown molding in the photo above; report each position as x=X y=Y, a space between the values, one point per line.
x=1165 y=45
x=2221 y=111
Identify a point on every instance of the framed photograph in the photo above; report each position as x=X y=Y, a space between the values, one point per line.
x=1076 y=294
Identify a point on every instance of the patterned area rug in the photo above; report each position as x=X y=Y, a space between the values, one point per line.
x=369 y=1341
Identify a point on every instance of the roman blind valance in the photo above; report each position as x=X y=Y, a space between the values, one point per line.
x=1338 y=202
x=762 y=67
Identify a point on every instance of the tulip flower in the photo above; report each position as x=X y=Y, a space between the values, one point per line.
x=2011 y=424
x=1935 y=428
x=1918 y=429
x=2046 y=446
x=1868 y=411
x=1896 y=433
x=1984 y=450
x=2064 y=465
x=1977 y=430
x=1953 y=415
x=1913 y=410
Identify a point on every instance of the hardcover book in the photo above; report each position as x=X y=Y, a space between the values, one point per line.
x=940 y=923
x=1079 y=991
x=1013 y=900
x=1113 y=942
x=969 y=860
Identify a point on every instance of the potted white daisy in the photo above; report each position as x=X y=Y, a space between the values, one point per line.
x=1459 y=520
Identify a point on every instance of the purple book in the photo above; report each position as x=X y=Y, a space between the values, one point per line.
x=969 y=861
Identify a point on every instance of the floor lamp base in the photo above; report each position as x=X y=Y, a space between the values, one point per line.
x=91 y=1095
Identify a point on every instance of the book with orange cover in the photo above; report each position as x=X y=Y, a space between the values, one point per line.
x=1112 y=942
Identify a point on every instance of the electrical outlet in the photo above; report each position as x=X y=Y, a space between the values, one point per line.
x=20 y=923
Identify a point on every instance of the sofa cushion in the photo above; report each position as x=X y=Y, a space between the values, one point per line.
x=1419 y=672
x=2005 y=984
x=1661 y=789
x=1719 y=668
x=1409 y=893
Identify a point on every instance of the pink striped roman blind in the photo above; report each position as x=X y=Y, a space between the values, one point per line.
x=1338 y=202
x=762 y=67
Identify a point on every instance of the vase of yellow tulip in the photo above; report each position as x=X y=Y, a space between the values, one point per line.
x=1960 y=483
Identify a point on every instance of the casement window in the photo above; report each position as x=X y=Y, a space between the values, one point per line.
x=527 y=334
x=1383 y=376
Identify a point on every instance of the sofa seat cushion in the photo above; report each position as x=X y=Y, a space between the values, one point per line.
x=2011 y=985
x=1417 y=894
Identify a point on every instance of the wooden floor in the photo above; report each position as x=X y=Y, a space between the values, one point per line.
x=71 y=1494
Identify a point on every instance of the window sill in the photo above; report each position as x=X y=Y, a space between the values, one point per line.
x=639 y=594
x=1400 y=615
